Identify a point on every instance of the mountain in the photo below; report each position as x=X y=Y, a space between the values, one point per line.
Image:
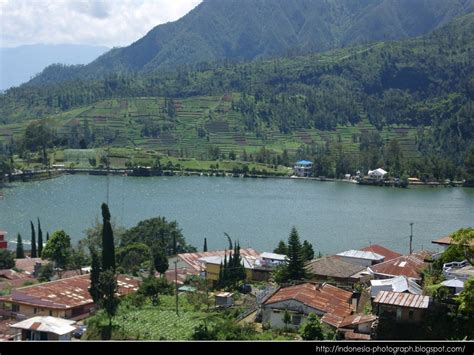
x=20 y=64
x=238 y=30
x=354 y=101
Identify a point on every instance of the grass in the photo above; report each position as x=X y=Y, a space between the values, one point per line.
x=119 y=123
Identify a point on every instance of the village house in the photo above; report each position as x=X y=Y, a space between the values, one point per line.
x=400 y=284
x=303 y=168
x=356 y=326
x=410 y=266
x=334 y=270
x=444 y=243
x=3 y=240
x=454 y=286
x=359 y=257
x=189 y=264
x=330 y=303
x=30 y=266
x=461 y=270
x=65 y=298
x=377 y=174
x=402 y=307
x=378 y=249
x=44 y=328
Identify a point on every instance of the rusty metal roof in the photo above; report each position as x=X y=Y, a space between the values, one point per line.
x=355 y=319
x=329 y=299
x=402 y=299
x=405 y=265
x=387 y=253
x=192 y=259
x=448 y=241
x=65 y=293
x=351 y=335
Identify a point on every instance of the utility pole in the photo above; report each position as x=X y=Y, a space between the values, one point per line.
x=176 y=283
x=411 y=238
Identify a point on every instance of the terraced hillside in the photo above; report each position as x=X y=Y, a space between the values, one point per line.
x=199 y=125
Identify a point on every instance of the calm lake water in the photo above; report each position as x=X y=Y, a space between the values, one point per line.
x=333 y=216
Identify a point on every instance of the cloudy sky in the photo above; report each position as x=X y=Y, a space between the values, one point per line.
x=95 y=22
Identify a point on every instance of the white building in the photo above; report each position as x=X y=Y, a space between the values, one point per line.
x=359 y=257
x=377 y=174
x=303 y=168
x=399 y=284
x=44 y=328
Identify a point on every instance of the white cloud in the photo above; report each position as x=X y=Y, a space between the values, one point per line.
x=95 y=22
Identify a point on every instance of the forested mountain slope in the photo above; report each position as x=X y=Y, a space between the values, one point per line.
x=238 y=30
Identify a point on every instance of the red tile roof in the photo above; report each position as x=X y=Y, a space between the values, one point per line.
x=329 y=299
x=192 y=259
x=402 y=299
x=405 y=265
x=64 y=293
x=378 y=249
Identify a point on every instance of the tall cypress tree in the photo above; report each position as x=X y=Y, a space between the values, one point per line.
x=296 y=263
x=108 y=247
x=20 y=253
x=40 y=239
x=94 y=289
x=205 y=245
x=47 y=236
x=33 y=241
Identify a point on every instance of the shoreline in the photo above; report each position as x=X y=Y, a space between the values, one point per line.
x=47 y=174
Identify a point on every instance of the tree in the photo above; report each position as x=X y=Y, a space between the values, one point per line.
x=108 y=246
x=160 y=260
x=466 y=297
x=58 y=250
x=20 y=253
x=132 y=256
x=308 y=252
x=281 y=248
x=204 y=249
x=312 y=328
x=152 y=287
x=109 y=301
x=464 y=238
x=33 y=241
x=296 y=263
x=7 y=259
x=46 y=272
x=94 y=288
x=47 y=236
x=40 y=239
x=38 y=136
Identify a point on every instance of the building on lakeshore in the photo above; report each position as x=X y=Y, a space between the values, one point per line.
x=403 y=307
x=387 y=253
x=3 y=240
x=334 y=270
x=44 y=328
x=409 y=266
x=359 y=257
x=303 y=168
x=447 y=241
x=65 y=298
x=377 y=174
x=330 y=303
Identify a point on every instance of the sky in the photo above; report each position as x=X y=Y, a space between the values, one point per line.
x=111 y=23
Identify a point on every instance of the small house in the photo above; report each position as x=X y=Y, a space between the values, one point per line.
x=377 y=174
x=44 y=328
x=401 y=284
x=359 y=257
x=402 y=307
x=303 y=168
x=224 y=299
x=3 y=241
x=407 y=265
x=272 y=259
x=385 y=252
x=454 y=286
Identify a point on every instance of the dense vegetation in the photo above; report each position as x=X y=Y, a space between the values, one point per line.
x=249 y=29
x=422 y=88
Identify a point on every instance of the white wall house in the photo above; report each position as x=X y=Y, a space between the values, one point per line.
x=377 y=174
x=303 y=168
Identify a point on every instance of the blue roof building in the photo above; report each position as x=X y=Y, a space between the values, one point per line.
x=303 y=168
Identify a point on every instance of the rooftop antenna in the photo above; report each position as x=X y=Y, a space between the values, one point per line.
x=411 y=238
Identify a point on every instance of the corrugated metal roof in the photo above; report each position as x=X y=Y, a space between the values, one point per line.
x=387 y=253
x=329 y=299
x=402 y=299
x=360 y=254
x=355 y=319
x=192 y=259
x=448 y=241
x=247 y=261
x=453 y=283
x=406 y=265
x=65 y=293
x=273 y=256
x=47 y=324
x=395 y=284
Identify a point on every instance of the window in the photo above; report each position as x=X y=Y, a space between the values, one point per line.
x=35 y=310
x=50 y=313
x=296 y=320
x=15 y=308
x=410 y=314
x=399 y=313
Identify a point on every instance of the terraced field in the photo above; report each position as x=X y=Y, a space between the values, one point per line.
x=200 y=123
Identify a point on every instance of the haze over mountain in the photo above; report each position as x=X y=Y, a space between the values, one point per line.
x=19 y=64
x=249 y=29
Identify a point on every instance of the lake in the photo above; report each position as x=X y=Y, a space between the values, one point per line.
x=333 y=216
